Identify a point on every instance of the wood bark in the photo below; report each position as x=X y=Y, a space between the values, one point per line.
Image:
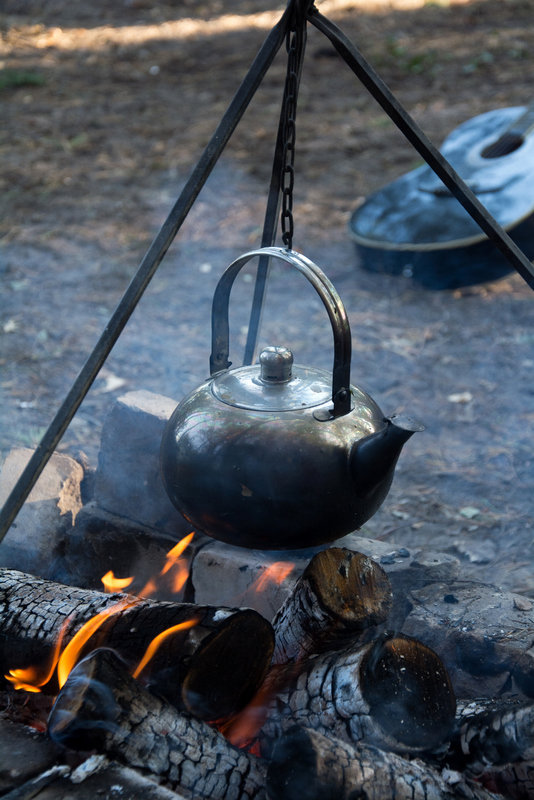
x=102 y=707
x=211 y=669
x=338 y=597
x=394 y=693
x=306 y=765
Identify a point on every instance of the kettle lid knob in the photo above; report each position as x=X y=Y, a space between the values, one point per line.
x=276 y=364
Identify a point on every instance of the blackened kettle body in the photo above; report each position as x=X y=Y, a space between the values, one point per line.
x=279 y=456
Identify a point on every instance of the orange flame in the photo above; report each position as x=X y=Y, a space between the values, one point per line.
x=275 y=573
x=113 y=584
x=32 y=679
x=70 y=654
x=158 y=640
x=180 y=578
x=242 y=729
x=150 y=588
x=173 y=561
x=176 y=564
x=175 y=552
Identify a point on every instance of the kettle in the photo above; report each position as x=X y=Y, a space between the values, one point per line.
x=280 y=456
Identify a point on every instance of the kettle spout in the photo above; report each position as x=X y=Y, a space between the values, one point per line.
x=373 y=458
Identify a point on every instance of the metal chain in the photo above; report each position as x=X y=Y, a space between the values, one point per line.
x=295 y=49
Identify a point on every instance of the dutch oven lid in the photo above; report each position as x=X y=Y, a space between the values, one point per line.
x=276 y=384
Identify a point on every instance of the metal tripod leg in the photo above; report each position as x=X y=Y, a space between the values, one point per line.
x=179 y=212
x=145 y=272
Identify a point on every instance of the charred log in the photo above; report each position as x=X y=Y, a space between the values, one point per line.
x=306 y=765
x=339 y=596
x=394 y=693
x=513 y=781
x=211 y=669
x=102 y=707
x=491 y=733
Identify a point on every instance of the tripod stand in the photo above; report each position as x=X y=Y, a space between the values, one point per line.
x=293 y=22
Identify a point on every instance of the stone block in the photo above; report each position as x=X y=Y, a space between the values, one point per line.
x=128 y=480
x=36 y=537
x=483 y=634
x=234 y=576
x=101 y=542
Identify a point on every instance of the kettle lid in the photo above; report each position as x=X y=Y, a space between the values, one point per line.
x=275 y=384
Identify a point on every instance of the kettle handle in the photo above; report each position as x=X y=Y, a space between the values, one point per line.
x=220 y=331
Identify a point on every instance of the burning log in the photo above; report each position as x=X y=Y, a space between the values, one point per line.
x=102 y=707
x=394 y=693
x=339 y=596
x=493 y=743
x=305 y=765
x=209 y=660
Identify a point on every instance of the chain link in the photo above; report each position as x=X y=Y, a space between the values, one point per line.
x=295 y=49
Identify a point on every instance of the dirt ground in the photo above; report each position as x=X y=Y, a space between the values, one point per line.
x=106 y=108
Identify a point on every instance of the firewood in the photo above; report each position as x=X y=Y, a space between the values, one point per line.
x=306 y=765
x=211 y=669
x=339 y=596
x=394 y=693
x=493 y=733
x=101 y=707
x=512 y=781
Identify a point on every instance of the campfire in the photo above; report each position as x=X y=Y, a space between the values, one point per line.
x=358 y=685
x=368 y=672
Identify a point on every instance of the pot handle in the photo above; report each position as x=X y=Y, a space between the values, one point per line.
x=220 y=331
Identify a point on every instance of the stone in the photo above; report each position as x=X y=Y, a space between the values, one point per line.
x=37 y=536
x=128 y=480
x=225 y=575
x=263 y=579
x=101 y=542
x=483 y=634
